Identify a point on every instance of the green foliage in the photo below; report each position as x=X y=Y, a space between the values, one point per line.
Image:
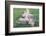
x=17 y=13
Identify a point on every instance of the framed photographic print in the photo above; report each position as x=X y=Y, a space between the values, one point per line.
x=24 y=17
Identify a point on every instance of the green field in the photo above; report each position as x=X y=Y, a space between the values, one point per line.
x=17 y=13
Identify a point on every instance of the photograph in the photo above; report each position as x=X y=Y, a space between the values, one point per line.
x=24 y=17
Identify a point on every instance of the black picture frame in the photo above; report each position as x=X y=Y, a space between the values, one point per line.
x=7 y=13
